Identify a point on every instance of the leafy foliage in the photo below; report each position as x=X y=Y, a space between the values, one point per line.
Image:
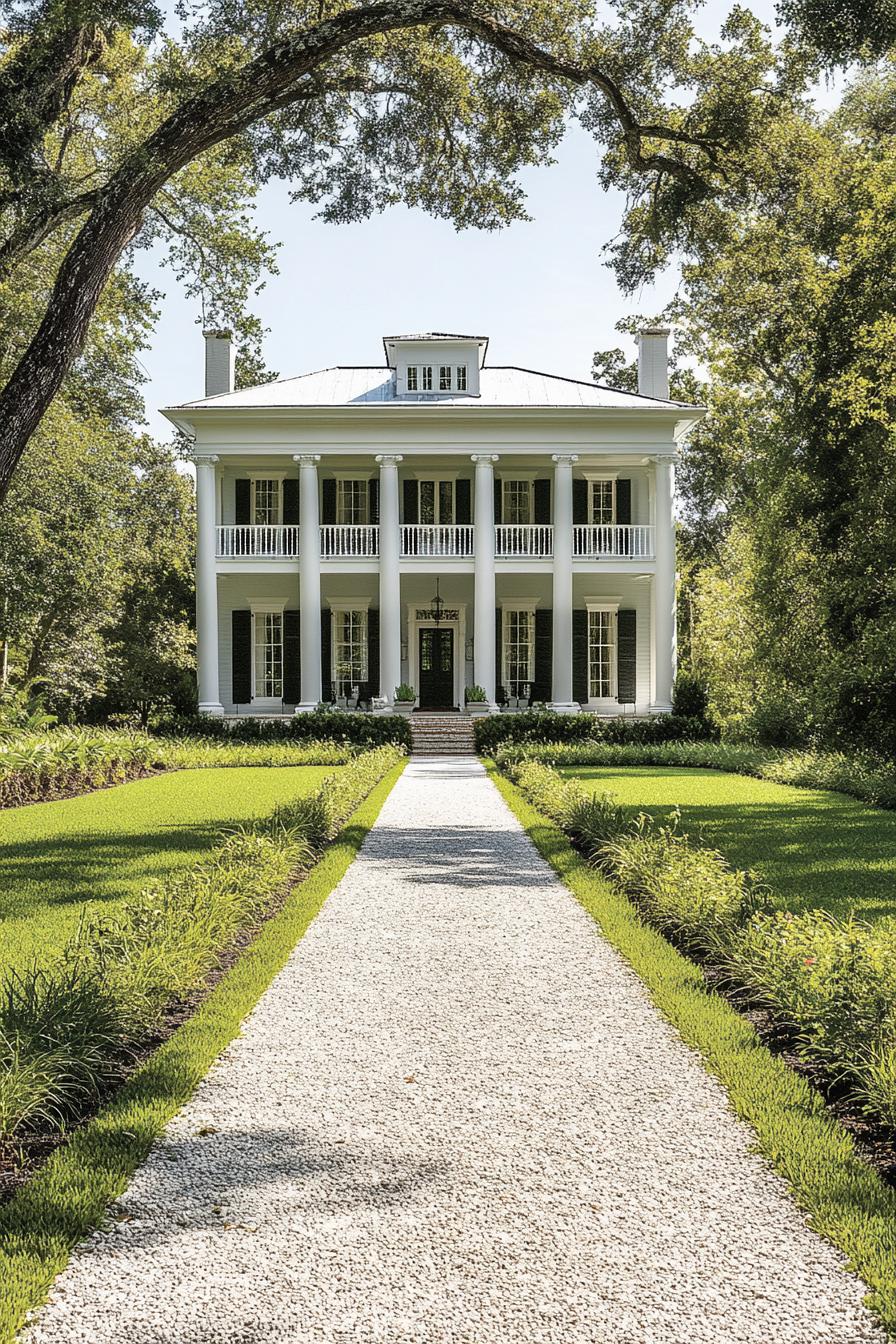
x=546 y=726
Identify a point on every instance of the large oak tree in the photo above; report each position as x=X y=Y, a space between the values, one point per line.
x=113 y=130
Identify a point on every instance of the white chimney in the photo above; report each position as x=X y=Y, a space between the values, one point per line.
x=219 y=362
x=653 y=362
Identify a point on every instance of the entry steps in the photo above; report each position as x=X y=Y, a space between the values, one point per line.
x=442 y=735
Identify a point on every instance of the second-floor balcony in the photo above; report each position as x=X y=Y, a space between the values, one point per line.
x=513 y=541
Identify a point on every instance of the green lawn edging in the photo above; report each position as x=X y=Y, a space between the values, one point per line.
x=66 y=1199
x=845 y=1201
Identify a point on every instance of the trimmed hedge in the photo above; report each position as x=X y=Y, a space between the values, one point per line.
x=331 y=725
x=544 y=726
x=861 y=776
x=829 y=983
x=71 y=1029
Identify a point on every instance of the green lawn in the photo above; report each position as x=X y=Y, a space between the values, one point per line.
x=106 y=846
x=815 y=848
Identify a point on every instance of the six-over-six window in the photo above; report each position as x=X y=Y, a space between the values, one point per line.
x=349 y=651
x=519 y=651
x=268 y=655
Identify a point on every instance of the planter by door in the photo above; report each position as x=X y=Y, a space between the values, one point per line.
x=436 y=669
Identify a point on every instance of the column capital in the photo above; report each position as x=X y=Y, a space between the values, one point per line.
x=666 y=459
x=204 y=459
x=306 y=459
x=388 y=459
x=565 y=459
x=488 y=458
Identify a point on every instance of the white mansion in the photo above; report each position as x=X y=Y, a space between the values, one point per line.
x=438 y=521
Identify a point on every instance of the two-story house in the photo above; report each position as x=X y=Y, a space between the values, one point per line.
x=436 y=520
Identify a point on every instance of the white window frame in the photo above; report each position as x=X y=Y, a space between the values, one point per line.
x=353 y=479
x=411 y=378
x=267 y=609
x=337 y=610
x=437 y=379
x=461 y=381
x=523 y=479
x=594 y=606
x=437 y=478
x=602 y=480
x=277 y=478
x=517 y=607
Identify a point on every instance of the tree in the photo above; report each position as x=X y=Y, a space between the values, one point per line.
x=433 y=102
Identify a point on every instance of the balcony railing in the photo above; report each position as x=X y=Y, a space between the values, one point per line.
x=349 y=541
x=524 y=540
x=600 y=541
x=439 y=540
x=245 y=539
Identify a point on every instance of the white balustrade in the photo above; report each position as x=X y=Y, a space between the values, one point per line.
x=524 y=540
x=245 y=540
x=349 y=541
x=440 y=540
x=597 y=541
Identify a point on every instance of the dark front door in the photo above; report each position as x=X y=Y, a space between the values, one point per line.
x=436 y=669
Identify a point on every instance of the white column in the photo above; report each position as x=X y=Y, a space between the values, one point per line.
x=390 y=577
x=309 y=581
x=561 y=662
x=206 y=586
x=664 y=633
x=484 y=671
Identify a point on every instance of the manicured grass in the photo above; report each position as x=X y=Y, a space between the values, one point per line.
x=843 y=1198
x=68 y=1197
x=816 y=849
x=105 y=847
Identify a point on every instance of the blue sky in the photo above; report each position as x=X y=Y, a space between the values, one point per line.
x=540 y=290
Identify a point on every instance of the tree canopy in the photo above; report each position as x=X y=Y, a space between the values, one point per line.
x=116 y=131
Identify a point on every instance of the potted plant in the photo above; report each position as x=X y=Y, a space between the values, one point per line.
x=405 y=697
x=477 y=700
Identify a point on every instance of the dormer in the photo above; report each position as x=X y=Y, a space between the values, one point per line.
x=435 y=365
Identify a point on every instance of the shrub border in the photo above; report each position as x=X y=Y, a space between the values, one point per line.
x=67 y=1198
x=846 y=1202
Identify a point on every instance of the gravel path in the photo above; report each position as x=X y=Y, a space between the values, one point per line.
x=455 y=1116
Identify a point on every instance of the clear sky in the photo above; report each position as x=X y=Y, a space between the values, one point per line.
x=539 y=290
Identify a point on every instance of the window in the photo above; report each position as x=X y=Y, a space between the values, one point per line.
x=601 y=649
x=269 y=655
x=412 y=378
x=517 y=501
x=461 y=372
x=266 y=502
x=422 y=378
x=351 y=502
x=519 y=651
x=426 y=378
x=603 y=502
x=444 y=377
x=436 y=502
x=349 y=650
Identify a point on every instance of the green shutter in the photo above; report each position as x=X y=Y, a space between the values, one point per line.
x=411 y=506
x=542 y=504
x=626 y=657
x=328 y=501
x=500 y=689
x=542 y=687
x=373 y=501
x=291 y=501
x=241 y=656
x=242 y=508
x=326 y=655
x=292 y=655
x=373 y=655
x=623 y=503
x=580 y=656
x=579 y=501
x=462 y=501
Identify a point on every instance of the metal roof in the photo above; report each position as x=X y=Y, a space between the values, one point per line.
x=367 y=386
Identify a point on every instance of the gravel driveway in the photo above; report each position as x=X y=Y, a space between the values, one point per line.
x=455 y=1116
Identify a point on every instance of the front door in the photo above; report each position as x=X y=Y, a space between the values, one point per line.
x=436 y=669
